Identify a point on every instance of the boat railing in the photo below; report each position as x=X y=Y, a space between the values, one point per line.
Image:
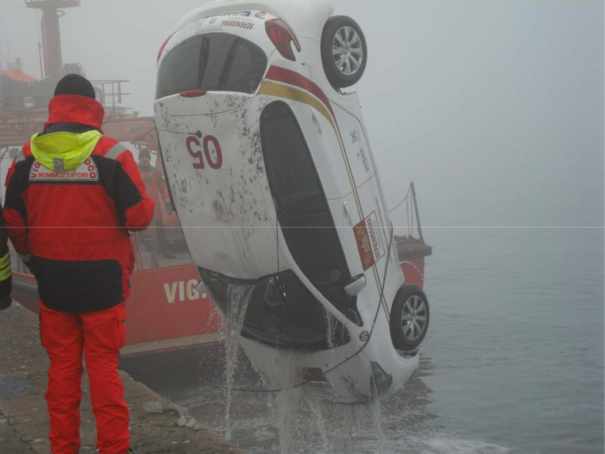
x=408 y=227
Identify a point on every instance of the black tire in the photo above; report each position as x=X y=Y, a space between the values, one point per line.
x=407 y=336
x=354 y=58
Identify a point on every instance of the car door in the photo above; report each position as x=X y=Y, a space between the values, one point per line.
x=371 y=231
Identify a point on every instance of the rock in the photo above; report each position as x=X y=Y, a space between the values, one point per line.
x=191 y=423
x=153 y=407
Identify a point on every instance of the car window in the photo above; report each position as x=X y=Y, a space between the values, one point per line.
x=214 y=62
x=289 y=317
x=303 y=210
x=180 y=70
x=246 y=67
x=218 y=52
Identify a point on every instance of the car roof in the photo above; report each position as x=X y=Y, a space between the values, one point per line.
x=306 y=18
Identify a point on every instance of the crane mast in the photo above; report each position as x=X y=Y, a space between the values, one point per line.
x=52 y=10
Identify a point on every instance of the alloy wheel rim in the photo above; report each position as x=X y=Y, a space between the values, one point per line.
x=347 y=50
x=414 y=318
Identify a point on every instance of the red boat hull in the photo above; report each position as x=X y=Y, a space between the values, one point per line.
x=165 y=310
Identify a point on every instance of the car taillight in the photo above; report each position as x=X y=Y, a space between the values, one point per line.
x=194 y=93
x=281 y=35
x=163 y=46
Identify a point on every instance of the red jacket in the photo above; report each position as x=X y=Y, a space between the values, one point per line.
x=71 y=199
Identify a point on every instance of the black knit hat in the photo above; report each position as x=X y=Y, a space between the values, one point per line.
x=74 y=84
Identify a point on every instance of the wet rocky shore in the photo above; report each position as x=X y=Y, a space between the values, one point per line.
x=158 y=425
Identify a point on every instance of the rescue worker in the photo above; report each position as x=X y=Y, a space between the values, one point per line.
x=72 y=198
x=5 y=270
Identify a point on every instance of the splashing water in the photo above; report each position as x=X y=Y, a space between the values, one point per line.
x=315 y=408
x=376 y=413
x=305 y=418
x=448 y=445
x=238 y=298
x=287 y=404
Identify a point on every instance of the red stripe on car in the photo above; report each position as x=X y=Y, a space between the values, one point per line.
x=279 y=74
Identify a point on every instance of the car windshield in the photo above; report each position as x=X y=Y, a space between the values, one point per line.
x=278 y=311
x=212 y=62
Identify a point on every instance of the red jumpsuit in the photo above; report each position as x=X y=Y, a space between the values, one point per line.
x=72 y=197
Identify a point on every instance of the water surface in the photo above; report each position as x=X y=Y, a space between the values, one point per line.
x=513 y=362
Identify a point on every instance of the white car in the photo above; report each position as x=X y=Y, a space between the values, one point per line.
x=275 y=184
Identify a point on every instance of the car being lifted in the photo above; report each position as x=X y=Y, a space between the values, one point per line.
x=276 y=187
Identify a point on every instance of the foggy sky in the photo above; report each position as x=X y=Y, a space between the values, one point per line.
x=494 y=108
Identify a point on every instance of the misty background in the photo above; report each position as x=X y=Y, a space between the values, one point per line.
x=494 y=108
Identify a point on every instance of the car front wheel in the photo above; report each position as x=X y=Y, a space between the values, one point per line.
x=344 y=51
x=409 y=318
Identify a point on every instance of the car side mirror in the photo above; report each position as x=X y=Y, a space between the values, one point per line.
x=357 y=284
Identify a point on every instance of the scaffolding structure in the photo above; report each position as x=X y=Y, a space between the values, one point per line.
x=23 y=103
x=111 y=94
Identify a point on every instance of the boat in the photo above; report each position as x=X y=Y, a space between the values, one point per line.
x=167 y=309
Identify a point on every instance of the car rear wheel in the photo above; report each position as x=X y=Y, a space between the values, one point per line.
x=344 y=51
x=409 y=318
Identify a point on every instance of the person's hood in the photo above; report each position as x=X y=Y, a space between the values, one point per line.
x=75 y=109
x=64 y=151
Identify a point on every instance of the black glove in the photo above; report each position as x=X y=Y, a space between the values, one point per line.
x=5 y=302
